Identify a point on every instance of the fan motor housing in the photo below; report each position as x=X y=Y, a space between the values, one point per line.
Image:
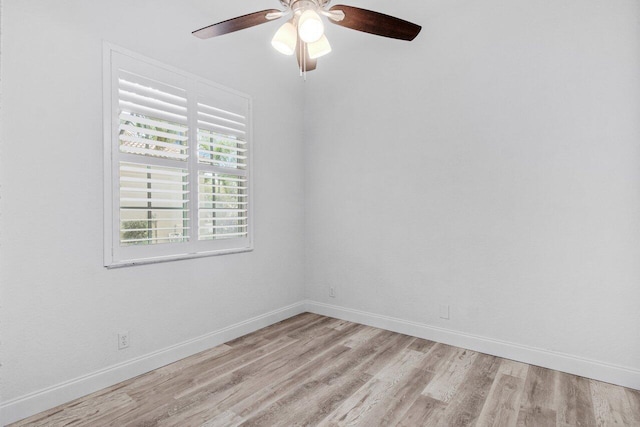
x=304 y=4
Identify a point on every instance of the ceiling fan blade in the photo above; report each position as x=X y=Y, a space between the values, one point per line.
x=235 y=24
x=305 y=63
x=376 y=23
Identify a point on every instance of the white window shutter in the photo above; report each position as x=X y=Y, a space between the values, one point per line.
x=179 y=174
x=223 y=164
x=154 y=204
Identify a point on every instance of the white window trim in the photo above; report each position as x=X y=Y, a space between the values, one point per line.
x=197 y=249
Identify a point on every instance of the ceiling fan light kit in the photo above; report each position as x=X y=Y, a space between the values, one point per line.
x=284 y=41
x=304 y=34
x=310 y=26
x=319 y=48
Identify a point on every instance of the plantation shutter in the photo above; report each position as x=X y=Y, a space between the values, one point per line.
x=223 y=198
x=153 y=123
x=153 y=204
x=179 y=170
x=153 y=118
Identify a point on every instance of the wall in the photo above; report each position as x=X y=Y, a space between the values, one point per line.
x=61 y=310
x=491 y=165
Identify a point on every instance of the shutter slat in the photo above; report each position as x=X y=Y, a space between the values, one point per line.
x=147 y=209
x=213 y=110
x=219 y=154
x=155 y=219
x=156 y=228
x=218 y=119
x=216 y=127
x=226 y=194
x=153 y=200
x=154 y=171
x=205 y=210
x=209 y=175
x=226 y=147
x=157 y=153
x=154 y=238
x=154 y=132
x=223 y=186
x=223 y=235
x=152 y=181
x=137 y=140
x=152 y=190
x=222 y=218
x=149 y=102
x=217 y=137
x=220 y=203
x=222 y=164
x=156 y=113
x=150 y=88
x=211 y=227
x=128 y=117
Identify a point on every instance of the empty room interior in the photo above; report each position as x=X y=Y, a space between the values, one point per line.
x=439 y=229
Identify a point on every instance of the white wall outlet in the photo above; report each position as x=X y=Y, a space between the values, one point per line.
x=123 y=340
x=444 y=311
x=332 y=292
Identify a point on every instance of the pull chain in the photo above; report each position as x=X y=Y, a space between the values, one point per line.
x=302 y=50
x=300 y=53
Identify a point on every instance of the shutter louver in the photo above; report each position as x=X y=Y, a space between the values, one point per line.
x=221 y=137
x=222 y=206
x=223 y=159
x=153 y=205
x=153 y=118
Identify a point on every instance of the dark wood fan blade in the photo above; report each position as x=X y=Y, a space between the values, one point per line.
x=309 y=64
x=234 y=24
x=376 y=23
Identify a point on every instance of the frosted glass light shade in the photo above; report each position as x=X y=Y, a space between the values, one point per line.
x=310 y=26
x=284 y=41
x=319 y=48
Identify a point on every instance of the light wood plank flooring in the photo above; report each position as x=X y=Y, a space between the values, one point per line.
x=314 y=370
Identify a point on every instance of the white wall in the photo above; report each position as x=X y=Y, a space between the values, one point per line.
x=61 y=310
x=493 y=164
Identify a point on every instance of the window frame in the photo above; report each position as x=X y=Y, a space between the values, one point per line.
x=116 y=255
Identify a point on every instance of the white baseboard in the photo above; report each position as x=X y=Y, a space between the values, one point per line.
x=571 y=364
x=41 y=400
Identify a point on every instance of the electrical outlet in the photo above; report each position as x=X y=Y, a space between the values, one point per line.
x=123 y=340
x=444 y=311
x=332 y=292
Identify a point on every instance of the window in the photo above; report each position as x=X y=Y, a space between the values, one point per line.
x=177 y=164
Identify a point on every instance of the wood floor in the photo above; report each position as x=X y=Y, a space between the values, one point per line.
x=314 y=370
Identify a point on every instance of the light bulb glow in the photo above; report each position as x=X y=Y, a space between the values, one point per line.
x=319 y=48
x=310 y=26
x=284 y=41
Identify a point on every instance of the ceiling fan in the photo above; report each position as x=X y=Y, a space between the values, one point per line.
x=303 y=33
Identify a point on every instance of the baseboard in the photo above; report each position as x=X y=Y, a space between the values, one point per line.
x=41 y=400
x=571 y=364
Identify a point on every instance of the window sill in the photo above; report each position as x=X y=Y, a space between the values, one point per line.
x=169 y=258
